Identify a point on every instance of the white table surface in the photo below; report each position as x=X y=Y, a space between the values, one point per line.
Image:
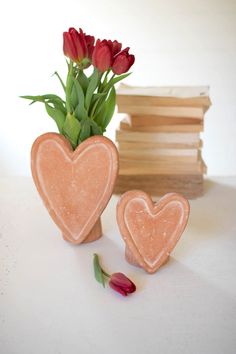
x=50 y=302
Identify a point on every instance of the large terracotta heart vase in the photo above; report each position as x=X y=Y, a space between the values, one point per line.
x=151 y=230
x=75 y=186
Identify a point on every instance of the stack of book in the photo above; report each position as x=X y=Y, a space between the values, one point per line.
x=159 y=139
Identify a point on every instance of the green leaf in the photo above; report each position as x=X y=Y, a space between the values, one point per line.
x=110 y=105
x=100 y=113
x=114 y=81
x=69 y=83
x=59 y=104
x=60 y=79
x=85 y=130
x=91 y=88
x=94 y=101
x=96 y=130
x=98 y=270
x=58 y=116
x=80 y=110
x=106 y=110
x=71 y=129
x=74 y=98
x=83 y=80
x=42 y=98
x=97 y=96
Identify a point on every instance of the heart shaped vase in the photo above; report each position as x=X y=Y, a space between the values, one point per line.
x=151 y=230
x=75 y=186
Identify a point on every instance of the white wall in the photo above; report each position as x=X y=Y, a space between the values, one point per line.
x=178 y=42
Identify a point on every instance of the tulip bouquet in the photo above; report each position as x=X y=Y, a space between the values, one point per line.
x=89 y=100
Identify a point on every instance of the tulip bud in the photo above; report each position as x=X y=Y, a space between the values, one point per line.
x=115 y=46
x=102 y=55
x=122 y=62
x=90 y=45
x=78 y=46
x=120 y=283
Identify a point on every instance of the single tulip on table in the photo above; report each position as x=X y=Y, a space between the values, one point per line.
x=117 y=281
x=120 y=283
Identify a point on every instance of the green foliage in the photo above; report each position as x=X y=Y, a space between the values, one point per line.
x=55 y=107
x=71 y=129
x=61 y=81
x=109 y=108
x=80 y=111
x=57 y=115
x=85 y=130
x=106 y=110
x=96 y=130
x=93 y=82
x=87 y=107
x=84 y=81
x=115 y=80
x=98 y=273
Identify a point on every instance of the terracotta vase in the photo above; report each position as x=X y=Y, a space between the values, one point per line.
x=151 y=230
x=75 y=186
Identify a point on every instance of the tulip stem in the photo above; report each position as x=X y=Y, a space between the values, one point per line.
x=93 y=109
x=105 y=78
x=69 y=86
x=106 y=274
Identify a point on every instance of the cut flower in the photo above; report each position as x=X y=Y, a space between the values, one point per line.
x=117 y=281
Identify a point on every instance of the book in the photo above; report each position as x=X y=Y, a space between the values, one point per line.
x=132 y=145
x=143 y=167
x=161 y=155
x=126 y=125
x=185 y=96
x=149 y=120
x=191 y=186
x=183 y=112
x=158 y=137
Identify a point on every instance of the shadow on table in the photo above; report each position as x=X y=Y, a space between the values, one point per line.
x=214 y=211
x=211 y=216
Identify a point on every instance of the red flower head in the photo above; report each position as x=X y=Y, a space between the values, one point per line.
x=122 y=62
x=90 y=45
x=77 y=46
x=122 y=284
x=115 y=47
x=102 y=55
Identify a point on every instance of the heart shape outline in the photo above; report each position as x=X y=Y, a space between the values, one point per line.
x=153 y=209
x=72 y=157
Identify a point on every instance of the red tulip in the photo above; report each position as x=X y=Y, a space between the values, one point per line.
x=115 y=46
x=122 y=284
x=122 y=62
x=77 y=46
x=102 y=55
x=90 y=45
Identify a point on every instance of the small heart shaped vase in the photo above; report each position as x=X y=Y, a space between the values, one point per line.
x=151 y=230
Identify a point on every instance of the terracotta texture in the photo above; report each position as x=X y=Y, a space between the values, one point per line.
x=151 y=230
x=75 y=186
